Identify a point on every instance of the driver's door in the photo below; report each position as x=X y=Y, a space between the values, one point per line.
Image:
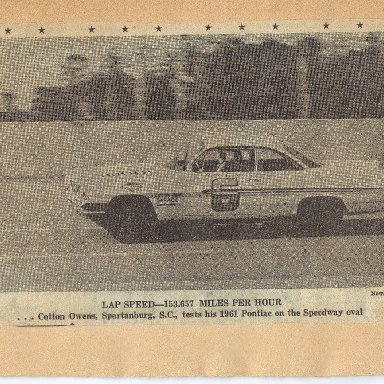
x=219 y=176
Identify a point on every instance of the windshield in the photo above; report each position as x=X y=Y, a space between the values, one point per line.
x=303 y=158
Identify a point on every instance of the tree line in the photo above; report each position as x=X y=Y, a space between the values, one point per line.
x=235 y=80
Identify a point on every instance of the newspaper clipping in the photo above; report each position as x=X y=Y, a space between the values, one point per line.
x=206 y=174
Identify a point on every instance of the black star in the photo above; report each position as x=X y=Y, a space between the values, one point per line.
x=241 y=27
x=359 y=24
x=41 y=30
x=275 y=26
x=158 y=28
x=125 y=29
x=91 y=29
x=208 y=27
x=326 y=25
x=8 y=30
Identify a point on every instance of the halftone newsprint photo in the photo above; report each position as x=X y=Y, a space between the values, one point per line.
x=197 y=175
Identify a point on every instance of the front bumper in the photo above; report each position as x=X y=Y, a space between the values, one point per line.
x=88 y=209
x=78 y=199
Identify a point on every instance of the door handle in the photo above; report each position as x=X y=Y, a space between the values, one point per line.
x=221 y=183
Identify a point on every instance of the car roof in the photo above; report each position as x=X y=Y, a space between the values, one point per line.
x=241 y=141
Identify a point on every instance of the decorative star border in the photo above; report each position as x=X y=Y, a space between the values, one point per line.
x=208 y=28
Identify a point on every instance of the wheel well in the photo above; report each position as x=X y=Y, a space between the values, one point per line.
x=328 y=201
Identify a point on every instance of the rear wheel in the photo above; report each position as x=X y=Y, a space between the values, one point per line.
x=320 y=215
x=132 y=219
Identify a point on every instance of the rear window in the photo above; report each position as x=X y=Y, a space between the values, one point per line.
x=310 y=163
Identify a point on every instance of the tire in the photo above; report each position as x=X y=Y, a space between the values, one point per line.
x=322 y=215
x=132 y=219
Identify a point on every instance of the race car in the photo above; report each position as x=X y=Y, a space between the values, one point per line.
x=238 y=179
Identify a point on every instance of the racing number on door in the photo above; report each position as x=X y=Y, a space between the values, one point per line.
x=223 y=198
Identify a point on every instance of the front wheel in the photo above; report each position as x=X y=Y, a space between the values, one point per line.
x=132 y=220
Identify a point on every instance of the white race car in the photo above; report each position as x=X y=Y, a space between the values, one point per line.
x=259 y=179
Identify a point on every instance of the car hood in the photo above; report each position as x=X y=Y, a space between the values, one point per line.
x=115 y=179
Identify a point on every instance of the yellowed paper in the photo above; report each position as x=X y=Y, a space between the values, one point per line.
x=191 y=189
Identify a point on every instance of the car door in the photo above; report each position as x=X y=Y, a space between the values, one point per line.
x=278 y=176
x=219 y=176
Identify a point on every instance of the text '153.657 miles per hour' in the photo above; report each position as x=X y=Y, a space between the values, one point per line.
x=210 y=303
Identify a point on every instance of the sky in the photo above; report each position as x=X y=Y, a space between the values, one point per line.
x=27 y=63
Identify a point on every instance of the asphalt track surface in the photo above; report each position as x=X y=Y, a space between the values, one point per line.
x=46 y=246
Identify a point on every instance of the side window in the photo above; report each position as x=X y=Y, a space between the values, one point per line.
x=247 y=159
x=226 y=159
x=271 y=160
x=207 y=162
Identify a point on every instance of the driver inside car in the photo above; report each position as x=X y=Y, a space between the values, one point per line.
x=228 y=162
